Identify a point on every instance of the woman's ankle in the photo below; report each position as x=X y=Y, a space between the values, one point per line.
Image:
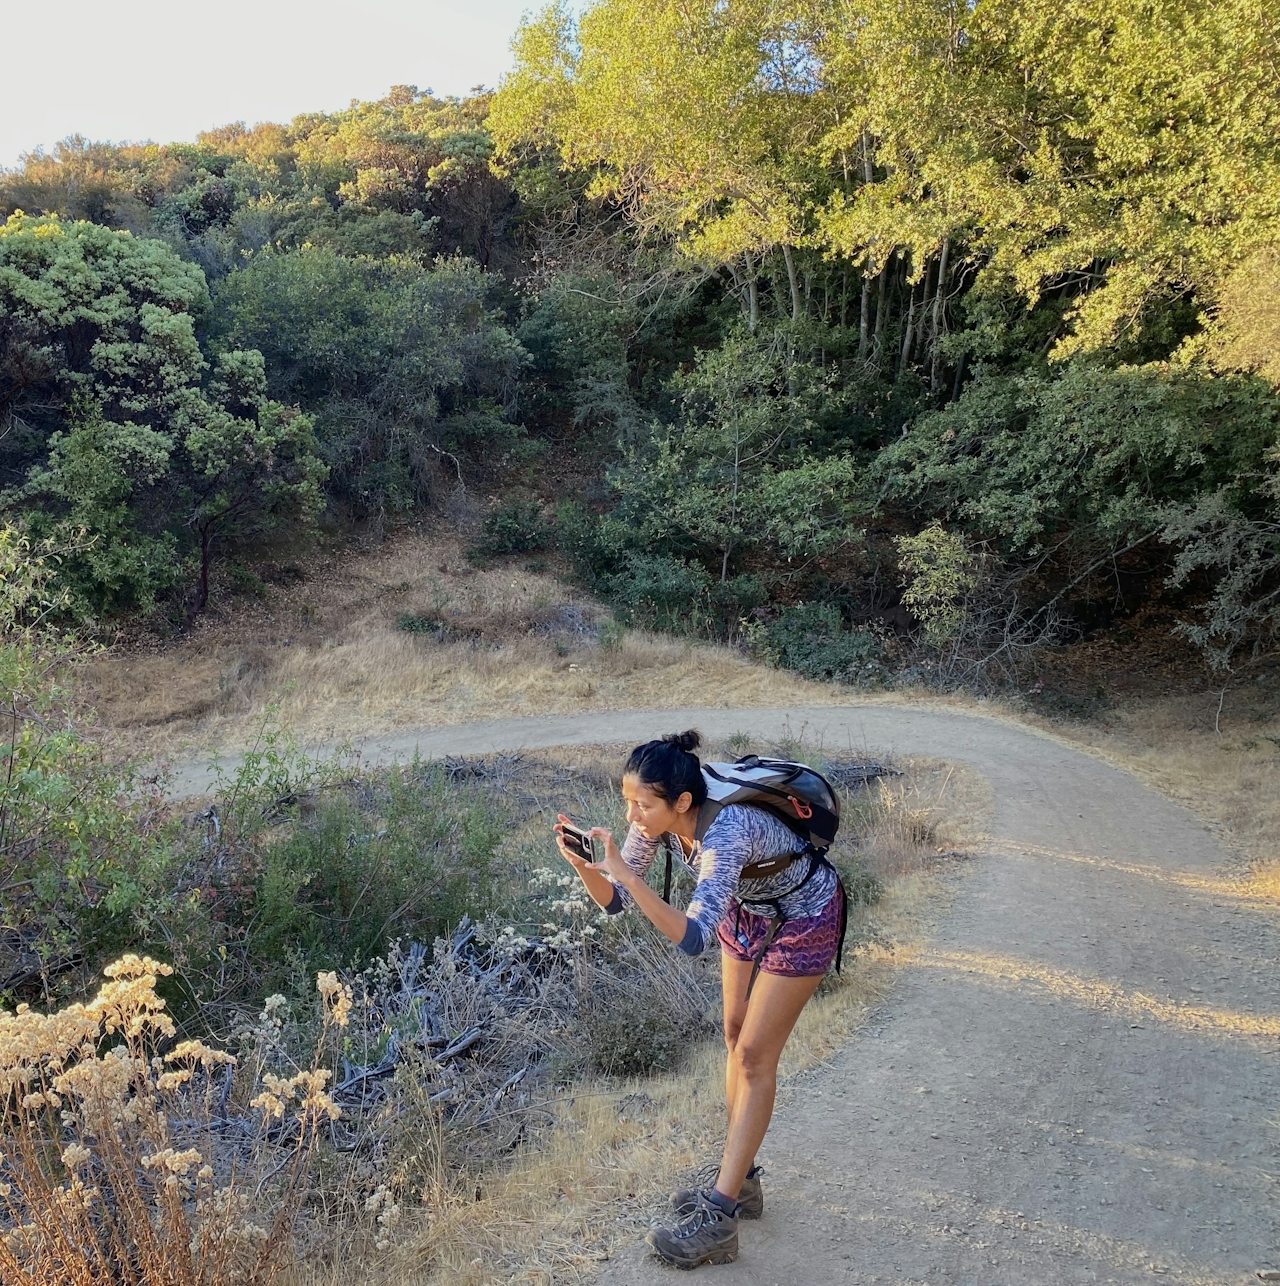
x=726 y=1203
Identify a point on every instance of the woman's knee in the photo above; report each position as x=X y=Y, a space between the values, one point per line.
x=755 y=1061
x=732 y=1030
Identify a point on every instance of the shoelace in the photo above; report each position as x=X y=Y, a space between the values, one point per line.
x=702 y=1215
x=708 y=1174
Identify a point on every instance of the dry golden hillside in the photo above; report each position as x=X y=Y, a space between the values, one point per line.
x=326 y=646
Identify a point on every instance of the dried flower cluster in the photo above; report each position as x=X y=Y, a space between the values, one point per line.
x=126 y=1165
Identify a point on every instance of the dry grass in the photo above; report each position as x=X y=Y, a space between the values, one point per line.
x=1231 y=778
x=120 y=1165
x=329 y=652
x=590 y=1180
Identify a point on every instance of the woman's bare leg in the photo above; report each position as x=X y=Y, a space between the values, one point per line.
x=755 y=1033
x=733 y=989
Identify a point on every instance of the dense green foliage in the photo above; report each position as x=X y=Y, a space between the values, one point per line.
x=1000 y=256
x=82 y=847
x=401 y=364
x=193 y=339
x=405 y=856
x=120 y=440
x=769 y=287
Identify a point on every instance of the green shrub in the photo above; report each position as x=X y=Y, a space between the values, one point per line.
x=627 y=1042
x=861 y=887
x=597 y=544
x=405 y=858
x=422 y=623
x=658 y=591
x=86 y=847
x=611 y=634
x=812 y=639
x=518 y=527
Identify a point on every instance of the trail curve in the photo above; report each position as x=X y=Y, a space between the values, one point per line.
x=1076 y=1081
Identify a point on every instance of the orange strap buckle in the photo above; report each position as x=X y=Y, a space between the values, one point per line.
x=802 y=810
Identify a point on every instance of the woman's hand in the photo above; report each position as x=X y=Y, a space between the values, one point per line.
x=594 y=878
x=611 y=864
x=600 y=878
x=567 y=853
x=611 y=868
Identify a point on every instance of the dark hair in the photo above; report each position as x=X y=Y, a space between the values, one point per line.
x=669 y=767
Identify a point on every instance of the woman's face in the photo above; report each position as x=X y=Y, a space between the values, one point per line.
x=647 y=810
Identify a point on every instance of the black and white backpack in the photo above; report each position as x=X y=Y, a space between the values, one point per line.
x=798 y=796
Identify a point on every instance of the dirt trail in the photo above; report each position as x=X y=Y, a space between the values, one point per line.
x=1076 y=1081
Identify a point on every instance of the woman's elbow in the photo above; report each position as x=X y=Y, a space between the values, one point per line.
x=694 y=941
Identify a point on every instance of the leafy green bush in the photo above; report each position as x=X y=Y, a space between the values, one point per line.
x=517 y=527
x=402 y=365
x=1093 y=453
x=578 y=371
x=938 y=571
x=633 y=1042
x=658 y=591
x=596 y=544
x=404 y=858
x=861 y=887
x=812 y=639
x=87 y=849
x=428 y=623
x=132 y=457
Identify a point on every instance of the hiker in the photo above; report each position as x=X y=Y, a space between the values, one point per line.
x=777 y=907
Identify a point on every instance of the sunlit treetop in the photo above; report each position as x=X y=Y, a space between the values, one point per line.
x=1131 y=151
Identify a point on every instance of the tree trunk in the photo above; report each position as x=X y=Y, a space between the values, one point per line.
x=864 y=321
x=908 y=334
x=864 y=317
x=935 y=372
x=733 y=505
x=794 y=282
x=880 y=311
x=753 y=295
x=202 y=586
x=922 y=326
x=955 y=386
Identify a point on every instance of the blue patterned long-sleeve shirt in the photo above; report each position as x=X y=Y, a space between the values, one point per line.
x=739 y=836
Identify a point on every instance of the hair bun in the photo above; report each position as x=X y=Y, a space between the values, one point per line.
x=687 y=741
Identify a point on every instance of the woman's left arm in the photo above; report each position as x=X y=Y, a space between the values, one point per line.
x=662 y=915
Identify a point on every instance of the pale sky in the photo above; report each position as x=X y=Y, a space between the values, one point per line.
x=117 y=70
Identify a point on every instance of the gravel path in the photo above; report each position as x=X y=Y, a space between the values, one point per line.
x=1075 y=1083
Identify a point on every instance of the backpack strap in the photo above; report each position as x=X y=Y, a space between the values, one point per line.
x=778 y=919
x=770 y=866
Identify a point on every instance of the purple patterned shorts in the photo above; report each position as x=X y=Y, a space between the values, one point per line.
x=802 y=949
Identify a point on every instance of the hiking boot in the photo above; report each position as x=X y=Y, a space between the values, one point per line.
x=706 y=1235
x=750 y=1197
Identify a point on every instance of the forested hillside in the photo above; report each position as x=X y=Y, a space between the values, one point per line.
x=787 y=323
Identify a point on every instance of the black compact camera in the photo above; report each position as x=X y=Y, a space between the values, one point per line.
x=577 y=842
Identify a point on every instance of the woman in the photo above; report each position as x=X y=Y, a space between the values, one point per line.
x=663 y=786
